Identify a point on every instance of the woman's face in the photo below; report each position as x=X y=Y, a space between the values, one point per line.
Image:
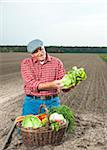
x=39 y=54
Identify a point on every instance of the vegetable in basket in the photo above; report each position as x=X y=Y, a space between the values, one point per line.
x=19 y=118
x=56 y=121
x=55 y=126
x=41 y=116
x=44 y=122
x=31 y=121
x=67 y=114
x=57 y=118
x=73 y=77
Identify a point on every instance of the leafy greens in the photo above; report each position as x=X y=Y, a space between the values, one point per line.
x=67 y=113
x=31 y=121
x=73 y=77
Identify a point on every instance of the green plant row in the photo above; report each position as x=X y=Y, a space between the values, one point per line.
x=104 y=57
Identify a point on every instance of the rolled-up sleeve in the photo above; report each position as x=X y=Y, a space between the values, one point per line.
x=61 y=70
x=30 y=82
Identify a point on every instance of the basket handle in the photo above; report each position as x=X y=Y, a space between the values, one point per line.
x=43 y=106
x=46 y=111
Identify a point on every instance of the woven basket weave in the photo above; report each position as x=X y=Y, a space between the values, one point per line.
x=42 y=136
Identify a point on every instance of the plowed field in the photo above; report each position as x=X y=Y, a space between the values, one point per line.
x=88 y=101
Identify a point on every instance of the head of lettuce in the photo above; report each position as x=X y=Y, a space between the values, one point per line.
x=73 y=77
x=30 y=121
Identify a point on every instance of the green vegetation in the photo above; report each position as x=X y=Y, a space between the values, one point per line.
x=31 y=121
x=104 y=57
x=13 y=49
x=68 y=115
x=57 y=49
x=73 y=77
x=56 y=121
x=76 y=49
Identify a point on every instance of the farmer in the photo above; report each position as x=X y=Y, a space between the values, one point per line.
x=41 y=74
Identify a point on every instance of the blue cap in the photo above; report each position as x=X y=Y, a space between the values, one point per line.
x=33 y=45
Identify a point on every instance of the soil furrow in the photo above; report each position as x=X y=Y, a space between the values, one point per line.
x=85 y=96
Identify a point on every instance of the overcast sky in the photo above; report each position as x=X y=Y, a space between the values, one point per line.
x=56 y=22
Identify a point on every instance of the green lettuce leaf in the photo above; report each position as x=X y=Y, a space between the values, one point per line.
x=73 y=77
x=31 y=121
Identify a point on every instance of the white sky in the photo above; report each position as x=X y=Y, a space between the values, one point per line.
x=56 y=22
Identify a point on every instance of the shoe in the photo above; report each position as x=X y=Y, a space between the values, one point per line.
x=20 y=140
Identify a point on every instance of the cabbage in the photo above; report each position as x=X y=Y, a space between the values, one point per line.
x=73 y=77
x=31 y=121
x=57 y=117
x=56 y=120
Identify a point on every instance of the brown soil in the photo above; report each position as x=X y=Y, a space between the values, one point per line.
x=88 y=100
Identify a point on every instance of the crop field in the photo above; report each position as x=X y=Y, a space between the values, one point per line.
x=104 y=57
x=88 y=100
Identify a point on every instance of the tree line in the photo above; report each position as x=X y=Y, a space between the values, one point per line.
x=58 y=49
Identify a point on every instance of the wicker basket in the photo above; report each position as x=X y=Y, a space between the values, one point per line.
x=43 y=135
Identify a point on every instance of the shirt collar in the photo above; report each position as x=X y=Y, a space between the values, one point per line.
x=48 y=57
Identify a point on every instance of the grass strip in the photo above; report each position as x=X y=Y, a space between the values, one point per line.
x=104 y=57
